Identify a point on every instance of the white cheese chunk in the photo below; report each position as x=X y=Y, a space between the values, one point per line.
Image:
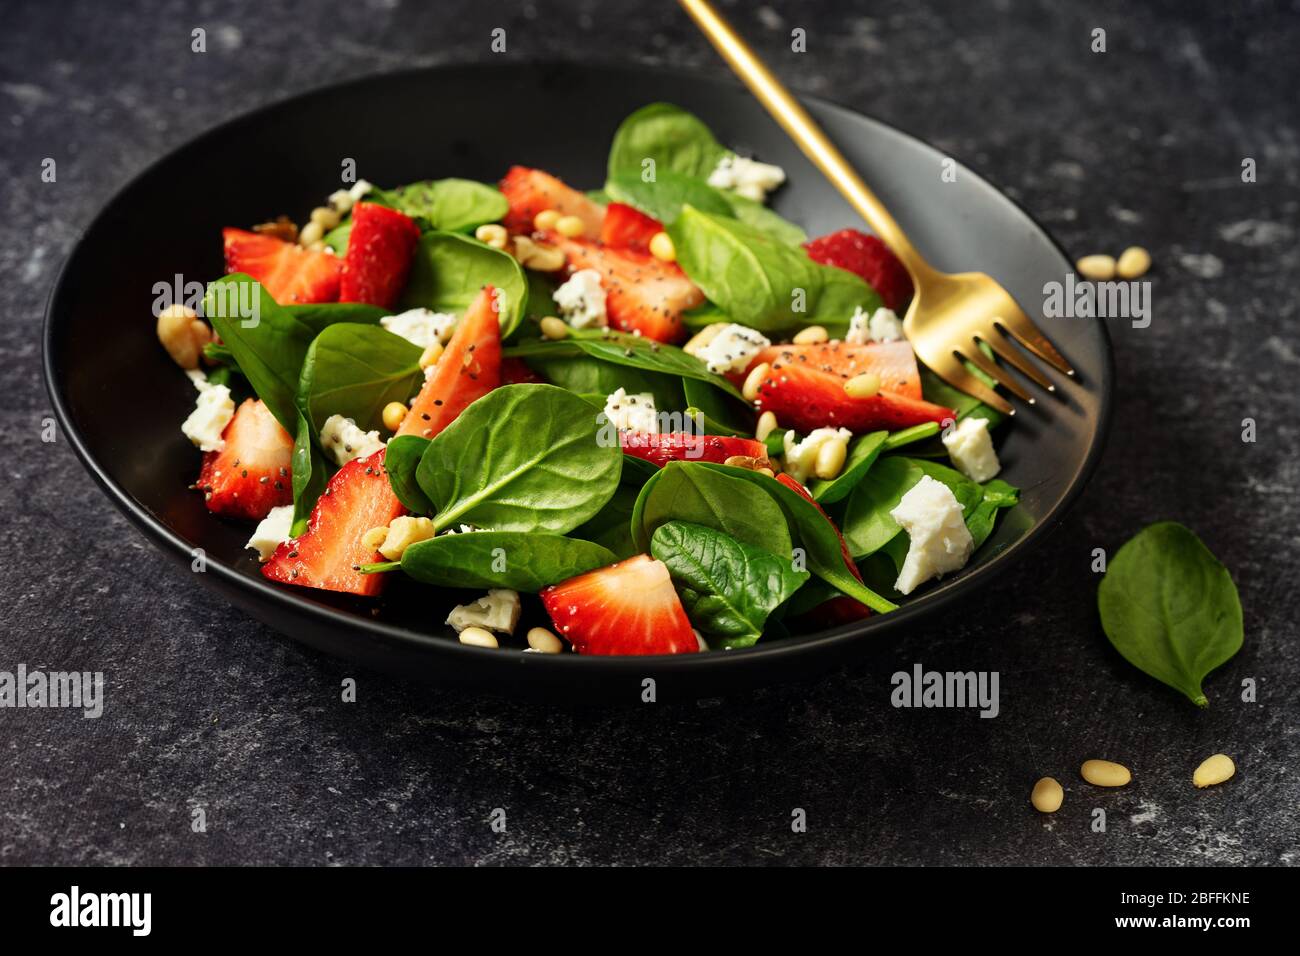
x=359 y=190
x=271 y=531
x=213 y=410
x=581 y=300
x=732 y=348
x=800 y=458
x=883 y=325
x=746 y=177
x=971 y=449
x=344 y=441
x=632 y=413
x=940 y=541
x=498 y=610
x=422 y=327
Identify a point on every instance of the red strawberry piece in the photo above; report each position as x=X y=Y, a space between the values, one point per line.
x=627 y=608
x=289 y=273
x=516 y=372
x=327 y=554
x=530 y=191
x=378 y=259
x=469 y=368
x=642 y=294
x=893 y=362
x=678 y=446
x=805 y=398
x=838 y=610
x=867 y=257
x=250 y=475
x=628 y=228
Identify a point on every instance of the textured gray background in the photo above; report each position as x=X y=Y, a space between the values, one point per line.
x=208 y=708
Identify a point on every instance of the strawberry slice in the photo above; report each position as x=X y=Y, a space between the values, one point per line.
x=628 y=228
x=250 y=475
x=327 y=554
x=530 y=191
x=893 y=362
x=289 y=273
x=515 y=371
x=846 y=608
x=805 y=398
x=380 y=248
x=867 y=257
x=469 y=368
x=679 y=446
x=642 y=294
x=627 y=608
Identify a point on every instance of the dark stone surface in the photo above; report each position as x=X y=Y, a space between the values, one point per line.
x=206 y=708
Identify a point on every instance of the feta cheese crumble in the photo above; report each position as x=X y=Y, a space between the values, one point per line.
x=940 y=541
x=422 y=327
x=971 y=449
x=213 y=410
x=632 y=413
x=746 y=177
x=800 y=459
x=732 y=348
x=344 y=441
x=498 y=610
x=581 y=300
x=883 y=325
x=271 y=531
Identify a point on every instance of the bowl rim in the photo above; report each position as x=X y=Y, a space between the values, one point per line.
x=178 y=548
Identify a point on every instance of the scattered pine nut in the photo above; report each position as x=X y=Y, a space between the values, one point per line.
x=183 y=334
x=766 y=425
x=538 y=256
x=326 y=217
x=662 y=248
x=1097 y=268
x=865 y=385
x=570 y=226
x=312 y=232
x=1133 y=263
x=1214 y=770
x=494 y=234
x=813 y=335
x=553 y=328
x=430 y=356
x=703 y=337
x=1105 y=773
x=754 y=379
x=478 y=637
x=374 y=538
x=394 y=412
x=546 y=219
x=830 y=458
x=1047 y=796
x=540 y=639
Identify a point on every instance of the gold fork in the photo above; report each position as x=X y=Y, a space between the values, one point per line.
x=950 y=314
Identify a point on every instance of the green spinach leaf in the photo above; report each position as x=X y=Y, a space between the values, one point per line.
x=689 y=491
x=517 y=560
x=310 y=474
x=755 y=214
x=451 y=205
x=997 y=494
x=721 y=413
x=676 y=140
x=355 y=370
x=449 y=270
x=611 y=527
x=863 y=451
x=591 y=377
x=664 y=196
x=318 y=315
x=400 y=461
x=868 y=526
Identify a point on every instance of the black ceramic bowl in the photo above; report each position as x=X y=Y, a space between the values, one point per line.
x=121 y=400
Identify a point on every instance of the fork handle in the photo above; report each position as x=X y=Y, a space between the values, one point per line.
x=810 y=138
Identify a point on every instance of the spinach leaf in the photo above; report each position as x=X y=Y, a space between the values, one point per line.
x=449 y=270
x=676 y=140
x=840 y=294
x=310 y=474
x=270 y=351
x=755 y=214
x=997 y=494
x=868 y=526
x=611 y=526
x=502 y=559
x=728 y=588
x=451 y=205
x=541 y=292
x=720 y=413
x=908 y=435
x=863 y=451
x=703 y=315
x=688 y=491
x=521 y=458
x=400 y=461
x=318 y=315
x=664 y=196
x=355 y=370
x=1170 y=608
x=591 y=377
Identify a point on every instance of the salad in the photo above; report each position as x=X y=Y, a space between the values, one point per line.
x=654 y=418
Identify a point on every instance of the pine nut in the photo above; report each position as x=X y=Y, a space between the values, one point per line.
x=766 y=471
x=1047 y=796
x=540 y=639
x=374 y=538
x=1214 y=770
x=703 y=337
x=430 y=356
x=813 y=335
x=325 y=217
x=1098 y=268
x=1105 y=773
x=478 y=637
x=493 y=234
x=766 y=425
x=546 y=219
x=1133 y=263
x=830 y=458
x=183 y=335
x=662 y=248
x=312 y=232
x=865 y=385
x=537 y=256
x=755 y=378
x=394 y=412
x=570 y=226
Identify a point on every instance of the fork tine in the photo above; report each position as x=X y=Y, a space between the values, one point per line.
x=1009 y=354
x=1032 y=338
x=958 y=376
x=978 y=359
